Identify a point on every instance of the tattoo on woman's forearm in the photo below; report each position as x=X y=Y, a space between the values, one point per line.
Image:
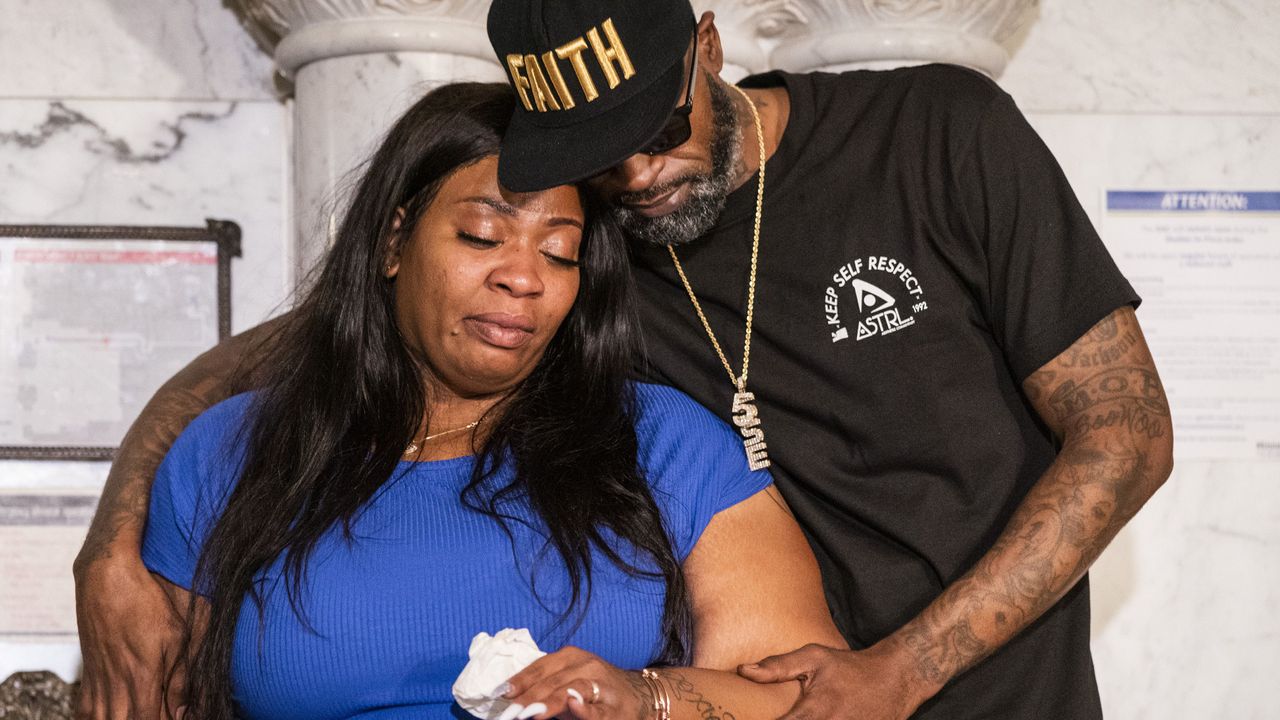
x=683 y=690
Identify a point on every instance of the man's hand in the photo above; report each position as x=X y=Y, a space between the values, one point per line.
x=130 y=624
x=129 y=637
x=873 y=684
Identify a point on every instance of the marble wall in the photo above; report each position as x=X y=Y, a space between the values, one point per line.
x=139 y=113
x=151 y=112
x=1148 y=94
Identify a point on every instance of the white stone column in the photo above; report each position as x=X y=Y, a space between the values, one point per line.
x=836 y=35
x=356 y=65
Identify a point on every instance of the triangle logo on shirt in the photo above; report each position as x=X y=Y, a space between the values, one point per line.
x=871 y=299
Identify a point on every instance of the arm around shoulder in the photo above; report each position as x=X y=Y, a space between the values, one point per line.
x=125 y=619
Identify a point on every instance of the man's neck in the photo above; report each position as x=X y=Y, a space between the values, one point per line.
x=774 y=106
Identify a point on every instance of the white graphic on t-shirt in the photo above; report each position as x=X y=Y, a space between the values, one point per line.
x=871 y=299
x=878 y=310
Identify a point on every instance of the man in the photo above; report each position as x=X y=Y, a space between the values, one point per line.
x=944 y=370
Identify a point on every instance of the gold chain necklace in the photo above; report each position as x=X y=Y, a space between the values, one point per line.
x=414 y=446
x=745 y=414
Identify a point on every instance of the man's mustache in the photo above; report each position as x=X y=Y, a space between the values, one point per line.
x=643 y=197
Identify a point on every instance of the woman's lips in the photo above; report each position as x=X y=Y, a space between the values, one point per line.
x=501 y=330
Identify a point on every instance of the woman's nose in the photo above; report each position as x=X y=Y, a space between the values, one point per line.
x=519 y=273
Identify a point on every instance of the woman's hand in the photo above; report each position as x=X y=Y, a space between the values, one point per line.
x=573 y=683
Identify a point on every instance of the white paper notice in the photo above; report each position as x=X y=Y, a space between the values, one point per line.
x=40 y=534
x=1207 y=264
x=91 y=328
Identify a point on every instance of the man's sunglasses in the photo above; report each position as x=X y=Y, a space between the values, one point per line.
x=677 y=130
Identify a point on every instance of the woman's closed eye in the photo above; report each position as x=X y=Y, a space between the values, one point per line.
x=487 y=243
x=562 y=260
x=477 y=241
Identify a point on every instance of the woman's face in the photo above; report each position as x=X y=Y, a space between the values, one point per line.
x=485 y=279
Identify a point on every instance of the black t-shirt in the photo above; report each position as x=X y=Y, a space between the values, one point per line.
x=921 y=254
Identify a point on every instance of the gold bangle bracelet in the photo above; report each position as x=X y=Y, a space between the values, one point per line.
x=661 y=695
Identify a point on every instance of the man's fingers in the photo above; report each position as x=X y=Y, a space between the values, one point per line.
x=795 y=665
x=812 y=708
x=821 y=703
x=143 y=704
x=86 y=700
x=176 y=685
x=117 y=702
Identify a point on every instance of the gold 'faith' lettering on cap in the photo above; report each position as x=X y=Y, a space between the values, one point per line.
x=540 y=84
x=521 y=83
x=557 y=80
x=542 y=96
x=573 y=51
x=614 y=53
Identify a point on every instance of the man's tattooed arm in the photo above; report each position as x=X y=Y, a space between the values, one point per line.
x=129 y=630
x=214 y=376
x=1103 y=399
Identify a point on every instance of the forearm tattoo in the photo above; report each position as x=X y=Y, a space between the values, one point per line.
x=1103 y=397
x=684 y=693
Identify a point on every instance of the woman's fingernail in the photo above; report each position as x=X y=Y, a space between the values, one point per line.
x=502 y=689
x=751 y=666
x=575 y=695
x=533 y=709
x=511 y=712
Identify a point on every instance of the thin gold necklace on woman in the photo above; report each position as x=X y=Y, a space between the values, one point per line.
x=414 y=445
x=745 y=414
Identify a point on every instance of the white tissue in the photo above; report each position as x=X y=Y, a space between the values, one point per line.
x=494 y=660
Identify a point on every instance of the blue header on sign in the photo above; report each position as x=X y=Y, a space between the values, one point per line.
x=1193 y=200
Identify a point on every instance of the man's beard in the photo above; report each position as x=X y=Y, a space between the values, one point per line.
x=707 y=191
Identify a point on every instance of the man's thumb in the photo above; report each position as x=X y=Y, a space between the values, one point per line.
x=778 y=668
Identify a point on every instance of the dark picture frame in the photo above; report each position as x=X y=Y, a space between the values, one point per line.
x=224 y=234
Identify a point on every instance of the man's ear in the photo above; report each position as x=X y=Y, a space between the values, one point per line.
x=712 y=57
x=395 y=241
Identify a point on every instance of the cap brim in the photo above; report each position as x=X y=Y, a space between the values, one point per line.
x=536 y=157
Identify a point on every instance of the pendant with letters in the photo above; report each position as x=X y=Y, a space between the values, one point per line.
x=747 y=418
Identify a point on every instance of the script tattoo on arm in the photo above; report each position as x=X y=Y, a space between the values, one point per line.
x=688 y=701
x=1103 y=399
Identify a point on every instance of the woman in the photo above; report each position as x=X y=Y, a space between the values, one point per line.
x=447 y=444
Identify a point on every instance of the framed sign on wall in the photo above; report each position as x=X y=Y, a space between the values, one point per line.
x=94 y=319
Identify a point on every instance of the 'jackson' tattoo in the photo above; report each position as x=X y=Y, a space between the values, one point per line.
x=1104 y=400
x=683 y=690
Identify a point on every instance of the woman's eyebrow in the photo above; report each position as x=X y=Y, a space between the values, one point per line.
x=502 y=207
x=511 y=210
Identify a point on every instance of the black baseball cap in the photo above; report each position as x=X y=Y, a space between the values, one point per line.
x=595 y=81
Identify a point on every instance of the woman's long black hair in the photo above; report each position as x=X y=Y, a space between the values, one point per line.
x=343 y=397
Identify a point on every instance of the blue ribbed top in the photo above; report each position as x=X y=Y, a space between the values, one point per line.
x=395 y=610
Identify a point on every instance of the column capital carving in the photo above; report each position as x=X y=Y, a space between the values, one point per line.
x=301 y=31
x=847 y=34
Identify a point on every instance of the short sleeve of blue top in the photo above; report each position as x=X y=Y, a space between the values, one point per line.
x=394 y=610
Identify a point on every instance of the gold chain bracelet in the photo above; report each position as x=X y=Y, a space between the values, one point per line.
x=661 y=696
